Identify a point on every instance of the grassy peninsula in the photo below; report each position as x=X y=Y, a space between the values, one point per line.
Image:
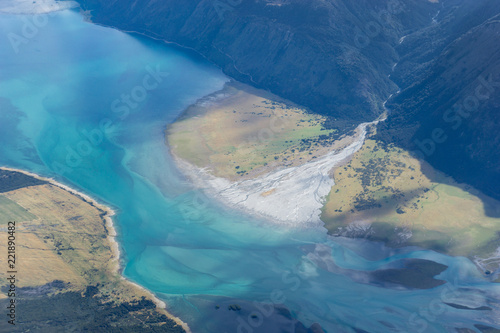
x=385 y=194
x=241 y=132
x=380 y=193
x=67 y=264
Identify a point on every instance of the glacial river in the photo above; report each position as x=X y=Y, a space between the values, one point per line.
x=88 y=105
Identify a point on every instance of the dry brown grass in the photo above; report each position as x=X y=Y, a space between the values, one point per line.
x=385 y=187
x=65 y=240
x=247 y=133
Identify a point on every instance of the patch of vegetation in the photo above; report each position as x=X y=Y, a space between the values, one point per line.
x=86 y=311
x=11 y=211
x=250 y=132
x=12 y=180
x=234 y=307
x=385 y=194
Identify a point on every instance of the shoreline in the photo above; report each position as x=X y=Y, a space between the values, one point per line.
x=111 y=237
x=274 y=195
x=262 y=120
x=281 y=194
x=87 y=16
x=181 y=164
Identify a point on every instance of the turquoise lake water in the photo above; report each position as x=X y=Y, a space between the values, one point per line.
x=88 y=105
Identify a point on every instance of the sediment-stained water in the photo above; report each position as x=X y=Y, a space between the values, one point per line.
x=88 y=105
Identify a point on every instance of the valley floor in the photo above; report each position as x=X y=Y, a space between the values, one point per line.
x=241 y=132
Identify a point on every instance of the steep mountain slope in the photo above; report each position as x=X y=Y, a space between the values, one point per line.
x=335 y=57
x=332 y=56
x=448 y=109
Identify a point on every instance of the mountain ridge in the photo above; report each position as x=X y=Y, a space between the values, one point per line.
x=343 y=59
x=449 y=114
x=297 y=49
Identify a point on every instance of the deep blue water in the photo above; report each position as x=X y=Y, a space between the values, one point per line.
x=88 y=105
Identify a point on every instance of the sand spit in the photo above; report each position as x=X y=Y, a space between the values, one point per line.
x=111 y=236
x=290 y=196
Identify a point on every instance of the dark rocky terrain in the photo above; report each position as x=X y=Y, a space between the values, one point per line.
x=335 y=57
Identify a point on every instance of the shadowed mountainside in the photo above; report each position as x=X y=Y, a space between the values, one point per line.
x=331 y=56
x=337 y=58
x=447 y=111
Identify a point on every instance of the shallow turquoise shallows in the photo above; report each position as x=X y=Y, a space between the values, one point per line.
x=88 y=105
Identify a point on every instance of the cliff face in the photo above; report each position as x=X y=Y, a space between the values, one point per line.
x=448 y=109
x=332 y=56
